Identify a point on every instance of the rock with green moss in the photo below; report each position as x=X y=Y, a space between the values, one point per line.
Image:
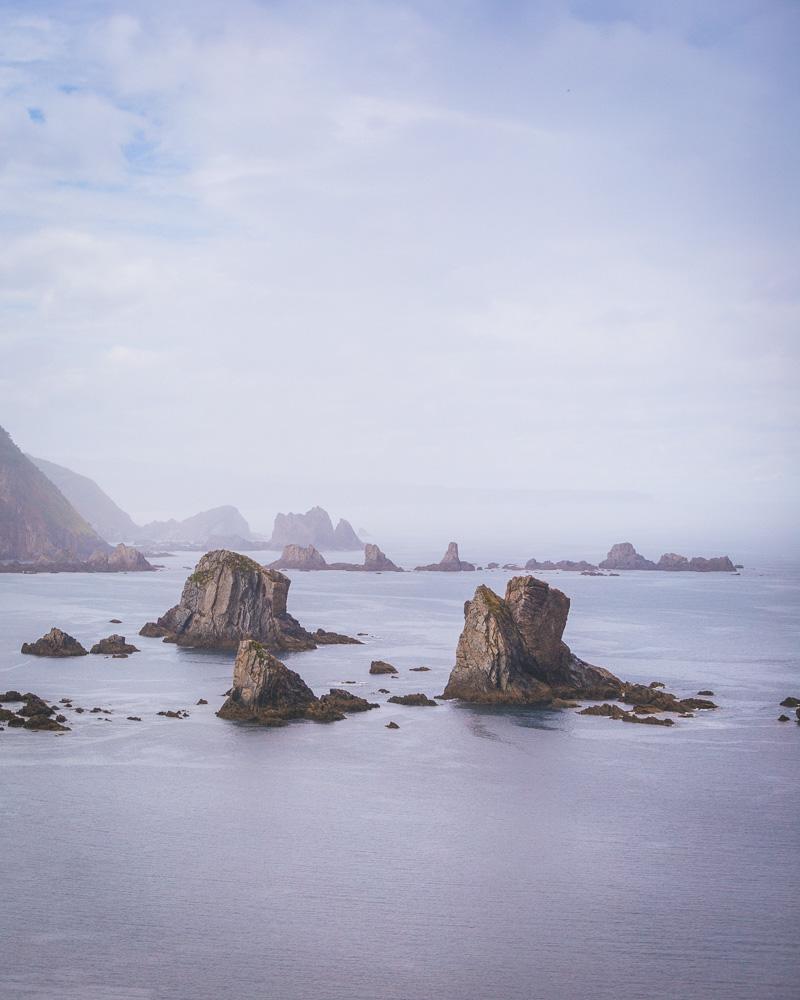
x=230 y=597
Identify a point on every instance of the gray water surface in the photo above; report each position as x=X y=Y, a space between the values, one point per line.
x=473 y=853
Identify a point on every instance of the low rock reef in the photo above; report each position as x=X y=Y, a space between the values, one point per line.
x=230 y=597
x=624 y=556
x=309 y=558
x=267 y=692
x=122 y=559
x=511 y=652
x=449 y=563
x=35 y=713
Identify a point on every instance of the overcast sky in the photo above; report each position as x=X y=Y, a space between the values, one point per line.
x=273 y=254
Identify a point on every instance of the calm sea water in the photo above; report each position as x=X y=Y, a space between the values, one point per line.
x=472 y=854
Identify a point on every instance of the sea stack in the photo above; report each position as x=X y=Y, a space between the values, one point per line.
x=56 y=644
x=376 y=561
x=228 y=598
x=624 y=556
x=450 y=563
x=511 y=651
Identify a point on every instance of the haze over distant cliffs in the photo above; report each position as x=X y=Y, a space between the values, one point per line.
x=313 y=528
x=36 y=519
x=217 y=523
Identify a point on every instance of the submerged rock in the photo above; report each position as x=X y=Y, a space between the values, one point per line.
x=511 y=651
x=228 y=598
x=449 y=563
x=114 y=645
x=54 y=643
x=418 y=699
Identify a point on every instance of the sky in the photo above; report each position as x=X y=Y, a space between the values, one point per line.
x=519 y=270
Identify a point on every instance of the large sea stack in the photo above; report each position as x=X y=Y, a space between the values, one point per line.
x=449 y=563
x=228 y=598
x=313 y=528
x=511 y=650
x=624 y=556
x=266 y=691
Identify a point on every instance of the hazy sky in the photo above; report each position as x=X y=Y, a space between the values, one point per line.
x=375 y=254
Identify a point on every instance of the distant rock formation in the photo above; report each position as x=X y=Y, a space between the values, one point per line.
x=450 y=563
x=108 y=519
x=313 y=528
x=266 y=691
x=37 y=522
x=220 y=522
x=308 y=558
x=228 y=598
x=300 y=557
x=565 y=564
x=121 y=559
x=511 y=650
x=624 y=556
x=55 y=643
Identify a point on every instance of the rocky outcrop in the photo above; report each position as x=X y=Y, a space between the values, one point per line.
x=624 y=556
x=376 y=561
x=615 y=712
x=450 y=563
x=228 y=598
x=511 y=650
x=323 y=638
x=382 y=667
x=114 y=645
x=266 y=691
x=299 y=557
x=717 y=564
x=122 y=559
x=55 y=643
x=37 y=522
x=415 y=700
x=641 y=695
x=313 y=528
x=565 y=564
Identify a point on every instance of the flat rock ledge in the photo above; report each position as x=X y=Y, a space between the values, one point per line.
x=265 y=691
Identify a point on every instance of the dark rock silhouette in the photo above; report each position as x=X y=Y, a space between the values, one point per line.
x=420 y=700
x=450 y=562
x=55 y=643
x=114 y=645
x=382 y=667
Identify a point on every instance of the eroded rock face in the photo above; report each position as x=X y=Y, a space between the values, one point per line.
x=228 y=598
x=624 y=556
x=266 y=691
x=511 y=651
x=376 y=561
x=449 y=563
x=114 y=645
x=54 y=643
x=300 y=557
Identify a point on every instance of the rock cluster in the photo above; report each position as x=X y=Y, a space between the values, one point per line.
x=449 y=563
x=564 y=564
x=309 y=558
x=54 y=643
x=114 y=645
x=511 y=651
x=34 y=714
x=228 y=598
x=266 y=691
x=313 y=528
x=624 y=556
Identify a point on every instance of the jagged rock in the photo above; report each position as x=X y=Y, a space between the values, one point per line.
x=786 y=703
x=511 y=651
x=624 y=556
x=323 y=638
x=392 y=725
x=122 y=559
x=382 y=667
x=54 y=643
x=565 y=564
x=266 y=691
x=298 y=557
x=639 y=694
x=114 y=645
x=313 y=528
x=376 y=561
x=43 y=723
x=783 y=718
x=152 y=631
x=201 y=701
x=450 y=562
x=615 y=712
x=228 y=598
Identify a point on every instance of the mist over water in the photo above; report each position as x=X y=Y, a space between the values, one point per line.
x=508 y=854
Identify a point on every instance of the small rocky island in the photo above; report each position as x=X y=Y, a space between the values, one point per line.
x=449 y=563
x=309 y=558
x=267 y=692
x=624 y=556
x=54 y=643
x=511 y=652
x=230 y=597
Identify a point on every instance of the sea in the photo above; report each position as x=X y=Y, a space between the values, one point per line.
x=472 y=854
